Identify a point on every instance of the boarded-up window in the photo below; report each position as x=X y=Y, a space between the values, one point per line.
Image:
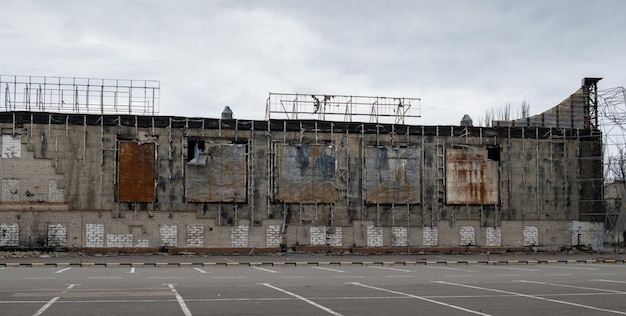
x=217 y=174
x=392 y=175
x=136 y=176
x=471 y=178
x=306 y=174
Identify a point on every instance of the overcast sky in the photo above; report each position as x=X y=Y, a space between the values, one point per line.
x=459 y=57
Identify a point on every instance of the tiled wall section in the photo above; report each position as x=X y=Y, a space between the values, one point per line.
x=374 y=236
x=317 y=235
x=169 y=235
x=334 y=239
x=11 y=146
x=272 y=236
x=195 y=235
x=239 y=236
x=468 y=235
x=430 y=236
x=494 y=237
x=400 y=236
x=10 y=190
x=531 y=236
x=57 y=235
x=9 y=235
x=588 y=234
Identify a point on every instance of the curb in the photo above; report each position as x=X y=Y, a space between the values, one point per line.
x=305 y=263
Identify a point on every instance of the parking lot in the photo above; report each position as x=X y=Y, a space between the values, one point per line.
x=301 y=288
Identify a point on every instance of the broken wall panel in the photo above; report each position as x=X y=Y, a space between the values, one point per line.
x=136 y=172
x=471 y=177
x=392 y=175
x=306 y=174
x=217 y=174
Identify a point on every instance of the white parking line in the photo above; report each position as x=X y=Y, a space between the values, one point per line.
x=571 y=268
x=132 y=270
x=54 y=299
x=531 y=296
x=419 y=298
x=453 y=269
x=62 y=270
x=200 y=270
x=570 y=286
x=612 y=281
x=266 y=270
x=390 y=269
x=322 y=307
x=329 y=269
x=180 y=300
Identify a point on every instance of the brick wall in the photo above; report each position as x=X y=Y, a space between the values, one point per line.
x=430 y=235
x=588 y=234
x=57 y=235
x=317 y=235
x=94 y=235
x=374 y=236
x=335 y=239
x=119 y=240
x=494 y=236
x=169 y=235
x=531 y=236
x=399 y=236
x=239 y=236
x=273 y=236
x=195 y=235
x=468 y=235
x=9 y=235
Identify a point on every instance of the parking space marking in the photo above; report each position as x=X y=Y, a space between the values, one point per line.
x=571 y=268
x=54 y=299
x=390 y=269
x=520 y=269
x=329 y=269
x=132 y=270
x=266 y=270
x=570 y=286
x=612 y=281
x=200 y=270
x=453 y=269
x=62 y=270
x=419 y=298
x=180 y=300
x=531 y=296
x=322 y=307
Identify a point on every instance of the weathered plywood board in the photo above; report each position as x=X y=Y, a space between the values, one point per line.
x=471 y=178
x=392 y=175
x=218 y=174
x=306 y=174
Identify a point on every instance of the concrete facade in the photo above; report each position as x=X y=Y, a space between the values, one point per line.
x=96 y=181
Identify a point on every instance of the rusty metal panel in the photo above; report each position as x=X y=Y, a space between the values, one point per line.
x=218 y=174
x=136 y=175
x=392 y=175
x=471 y=178
x=306 y=174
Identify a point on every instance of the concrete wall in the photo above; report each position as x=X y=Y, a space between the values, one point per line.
x=61 y=180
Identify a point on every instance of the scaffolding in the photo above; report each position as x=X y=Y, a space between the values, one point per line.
x=347 y=108
x=79 y=95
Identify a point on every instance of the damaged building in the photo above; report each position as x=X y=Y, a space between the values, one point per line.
x=85 y=165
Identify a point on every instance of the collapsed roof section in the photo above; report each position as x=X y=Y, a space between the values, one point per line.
x=578 y=111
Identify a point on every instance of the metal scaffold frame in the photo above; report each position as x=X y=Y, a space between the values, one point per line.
x=79 y=95
x=348 y=108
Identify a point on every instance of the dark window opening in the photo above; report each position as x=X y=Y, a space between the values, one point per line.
x=194 y=148
x=493 y=153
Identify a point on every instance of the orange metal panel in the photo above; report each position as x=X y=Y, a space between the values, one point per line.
x=471 y=178
x=136 y=175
